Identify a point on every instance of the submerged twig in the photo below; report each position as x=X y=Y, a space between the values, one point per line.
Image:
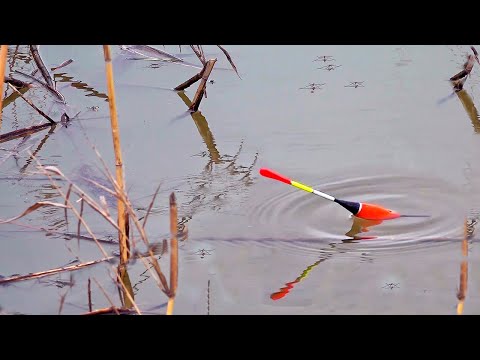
x=201 y=88
x=31 y=104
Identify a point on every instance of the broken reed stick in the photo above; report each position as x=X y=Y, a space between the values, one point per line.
x=122 y=234
x=53 y=271
x=3 y=64
x=24 y=132
x=31 y=104
x=112 y=310
x=17 y=83
x=173 y=253
x=462 y=290
x=41 y=66
x=201 y=88
x=89 y=292
x=190 y=81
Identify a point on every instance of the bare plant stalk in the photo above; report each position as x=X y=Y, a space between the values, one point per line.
x=31 y=104
x=66 y=213
x=199 y=53
x=462 y=290
x=41 y=66
x=123 y=236
x=79 y=225
x=17 y=83
x=190 y=81
x=229 y=58
x=89 y=291
x=173 y=253
x=12 y=135
x=203 y=84
x=53 y=271
x=3 y=64
x=110 y=310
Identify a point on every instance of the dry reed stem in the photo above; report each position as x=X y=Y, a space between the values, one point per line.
x=199 y=52
x=106 y=296
x=229 y=58
x=110 y=310
x=41 y=66
x=123 y=236
x=12 y=135
x=89 y=293
x=173 y=245
x=17 y=83
x=31 y=104
x=462 y=290
x=173 y=254
x=53 y=271
x=161 y=282
x=201 y=88
x=3 y=64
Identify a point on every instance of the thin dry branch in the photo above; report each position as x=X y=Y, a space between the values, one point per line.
x=53 y=271
x=89 y=293
x=12 y=135
x=41 y=66
x=110 y=311
x=229 y=58
x=199 y=52
x=31 y=104
x=63 y=64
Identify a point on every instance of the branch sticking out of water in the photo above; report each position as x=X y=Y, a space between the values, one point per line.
x=31 y=104
x=65 y=63
x=190 y=81
x=203 y=84
x=41 y=66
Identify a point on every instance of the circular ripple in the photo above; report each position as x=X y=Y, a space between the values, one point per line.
x=303 y=215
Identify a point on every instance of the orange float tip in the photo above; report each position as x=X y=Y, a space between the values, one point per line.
x=376 y=212
x=368 y=211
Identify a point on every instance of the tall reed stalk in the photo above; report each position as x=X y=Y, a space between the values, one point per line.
x=173 y=254
x=122 y=219
x=3 y=63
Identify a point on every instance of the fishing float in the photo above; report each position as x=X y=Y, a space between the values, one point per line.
x=362 y=210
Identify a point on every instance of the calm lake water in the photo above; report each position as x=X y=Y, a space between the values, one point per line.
x=363 y=123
